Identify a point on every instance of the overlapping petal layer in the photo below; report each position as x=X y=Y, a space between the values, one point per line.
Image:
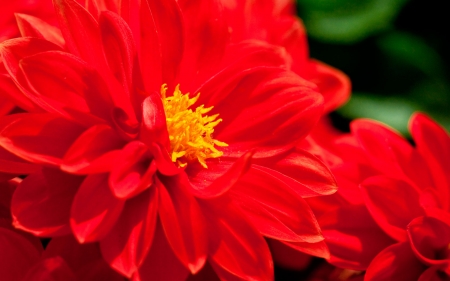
x=94 y=95
x=400 y=189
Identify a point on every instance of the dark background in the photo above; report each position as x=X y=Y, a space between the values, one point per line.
x=396 y=53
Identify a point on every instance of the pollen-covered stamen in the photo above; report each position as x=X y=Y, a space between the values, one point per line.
x=190 y=132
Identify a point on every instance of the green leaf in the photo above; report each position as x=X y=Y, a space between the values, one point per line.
x=413 y=51
x=394 y=112
x=348 y=21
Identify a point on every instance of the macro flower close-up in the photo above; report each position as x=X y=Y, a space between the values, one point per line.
x=202 y=140
x=141 y=131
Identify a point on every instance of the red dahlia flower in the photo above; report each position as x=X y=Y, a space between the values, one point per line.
x=397 y=222
x=159 y=177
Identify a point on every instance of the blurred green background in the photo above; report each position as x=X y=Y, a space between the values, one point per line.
x=395 y=52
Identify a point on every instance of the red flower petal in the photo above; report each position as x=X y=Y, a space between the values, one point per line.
x=164 y=23
x=236 y=250
x=333 y=84
x=81 y=32
x=18 y=255
x=430 y=200
x=94 y=151
x=290 y=257
x=149 y=49
x=95 y=7
x=41 y=202
x=84 y=259
x=242 y=60
x=83 y=38
x=154 y=126
x=54 y=269
x=125 y=123
x=76 y=255
x=352 y=236
x=436 y=273
x=396 y=262
x=390 y=153
x=13 y=96
x=31 y=26
x=392 y=203
x=98 y=270
x=163 y=161
x=430 y=239
x=317 y=249
x=39 y=138
x=440 y=214
x=207 y=35
x=128 y=243
x=120 y=51
x=81 y=80
x=206 y=274
x=282 y=104
x=220 y=176
x=12 y=51
x=134 y=173
x=160 y=53
x=306 y=174
x=274 y=208
x=161 y=263
x=49 y=73
x=433 y=143
x=290 y=33
x=350 y=174
x=324 y=204
x=9 y=163
x=255 y=53
x=6 y=190
x=128 y=10
x=183 y=222
x=95 y=209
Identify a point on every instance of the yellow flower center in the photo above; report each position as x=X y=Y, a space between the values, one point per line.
x=190 y=131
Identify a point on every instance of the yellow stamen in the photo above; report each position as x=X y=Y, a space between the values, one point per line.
x=190 y=132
